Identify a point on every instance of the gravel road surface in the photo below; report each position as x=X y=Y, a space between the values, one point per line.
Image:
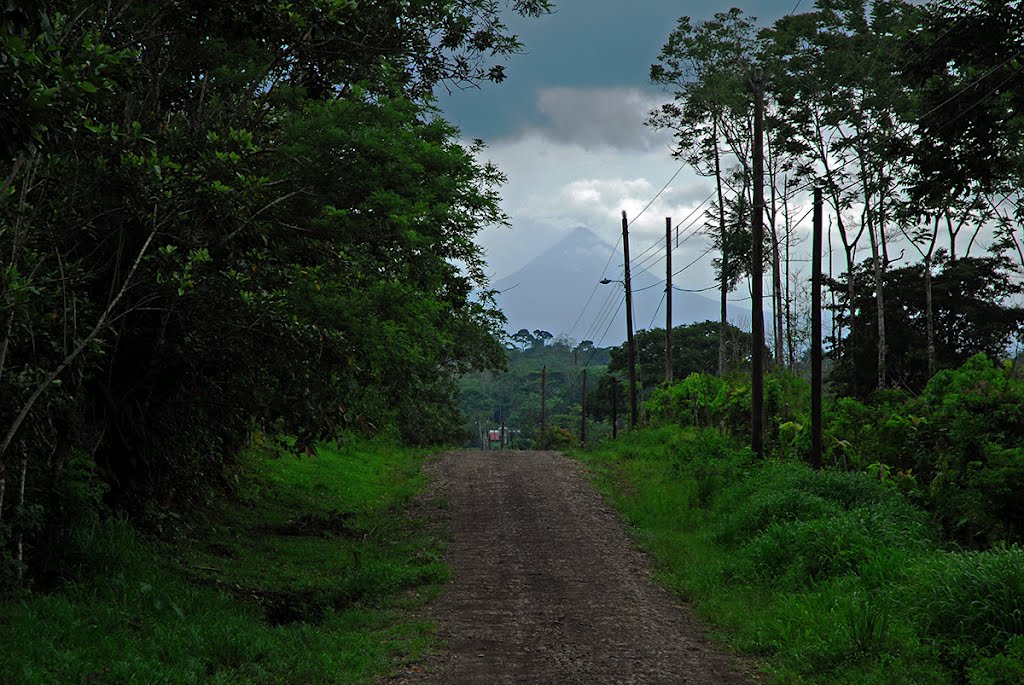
x=547 y=586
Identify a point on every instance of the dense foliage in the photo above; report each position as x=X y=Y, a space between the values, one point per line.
x=954 y=450
x=217 y=217
x=694 y=350
x=826 y=576
x=973 y=311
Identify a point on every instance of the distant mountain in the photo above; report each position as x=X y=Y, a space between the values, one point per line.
x=551 y=290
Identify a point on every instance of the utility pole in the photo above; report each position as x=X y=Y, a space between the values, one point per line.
x=668 y=299
x=757 y=275
x=615 y=408
x=543 y=405
x=816 y=389
x=583 y=412
x=630 y=344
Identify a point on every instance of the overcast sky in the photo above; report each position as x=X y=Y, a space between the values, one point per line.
x=567 y=128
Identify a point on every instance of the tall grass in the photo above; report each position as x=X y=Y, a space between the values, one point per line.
x=305 y=577
x=826 y=576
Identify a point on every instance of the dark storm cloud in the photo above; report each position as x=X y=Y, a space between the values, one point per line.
x=600 y=118
x=584 y=44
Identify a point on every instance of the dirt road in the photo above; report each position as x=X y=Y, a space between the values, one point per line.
x=547 y=586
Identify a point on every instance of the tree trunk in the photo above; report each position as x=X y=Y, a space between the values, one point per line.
x=876 y=261
x=20 y=521
x=777 y=297
x=725 y=253
x=929 y=315
x=789 y=301
x=773 y=223
x=952 y=235
x=930 y=307
x=7 y=339
x=836 y=329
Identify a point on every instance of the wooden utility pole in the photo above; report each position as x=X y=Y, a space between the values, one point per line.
x=543 y=405
x=501 y=436
x=583 y=412
x=725 y=252
x=816 y=389
x=757 y=275
x=615 y=408
x=668 y=299
x=630 y=344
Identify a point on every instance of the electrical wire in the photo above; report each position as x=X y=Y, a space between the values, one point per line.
x=637 y=262
x=656 y=196
x=616 y=247
x=650 y=326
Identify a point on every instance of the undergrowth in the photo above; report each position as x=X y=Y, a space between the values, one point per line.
x=825 y=576
x=306 y=575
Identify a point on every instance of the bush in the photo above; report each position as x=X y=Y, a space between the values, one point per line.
x=955 y=450
x=805 y=552
x=768 y=496
x=558 y=438
x=1002 y=669
x=687 y=403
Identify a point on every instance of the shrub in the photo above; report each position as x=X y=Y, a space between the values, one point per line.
x=688 y=402
x=750 y=507
x=805 y=552
x=1002 y=669
x=558 y=438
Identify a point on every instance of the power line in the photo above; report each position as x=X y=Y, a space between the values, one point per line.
x=695 y=231
x=618 y=242
x=657 y=195
x=599 y=318
x=569 y=388
x=650 y=326
x=638 y=261
x=695 y=290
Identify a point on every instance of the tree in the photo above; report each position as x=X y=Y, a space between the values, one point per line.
x=694 y=350
x=973 y=313
x=707 y=67
x=523 y=338
x=220 y=218
x=540 y=338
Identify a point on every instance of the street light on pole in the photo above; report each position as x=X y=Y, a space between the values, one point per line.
x=630 y=350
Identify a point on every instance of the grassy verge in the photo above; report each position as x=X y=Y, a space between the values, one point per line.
x=306 y=576
x=828 y=577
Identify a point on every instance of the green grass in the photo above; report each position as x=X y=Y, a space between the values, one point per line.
x=307 y=575
x=824 y=577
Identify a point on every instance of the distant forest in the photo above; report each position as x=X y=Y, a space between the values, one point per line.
x=512 y=397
